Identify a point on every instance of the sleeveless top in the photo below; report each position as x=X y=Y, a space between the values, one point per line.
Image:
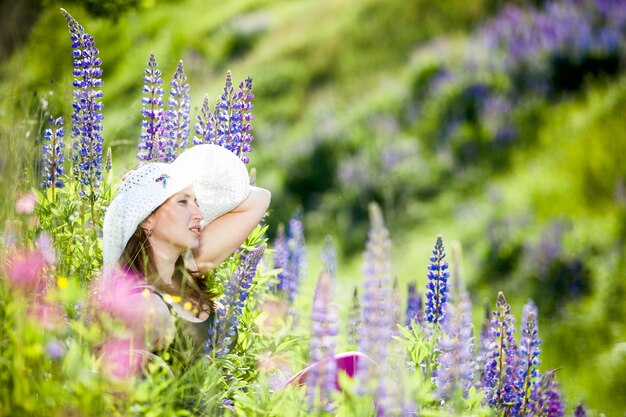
x=198 y=329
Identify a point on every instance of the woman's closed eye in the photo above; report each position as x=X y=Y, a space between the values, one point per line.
x=185 y=202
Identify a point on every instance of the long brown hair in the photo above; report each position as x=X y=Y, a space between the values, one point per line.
x=188 y=284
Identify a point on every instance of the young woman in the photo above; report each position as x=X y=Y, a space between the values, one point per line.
x=171 y=223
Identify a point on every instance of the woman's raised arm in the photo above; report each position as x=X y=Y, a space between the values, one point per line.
x=220 y=238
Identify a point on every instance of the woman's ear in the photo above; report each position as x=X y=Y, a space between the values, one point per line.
x=147 y=224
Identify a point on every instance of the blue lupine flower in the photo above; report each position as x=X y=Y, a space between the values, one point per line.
x=281 y=259
x=177 y=124
x=580 y=411
x=545 y=396
x=437 y=286
x=87 y=116
x=224 y=331
x=222 y=111
x=232 y=117
x=324 y=329
x=205 y=128
x=290 y=257
x=498 y=379
x=378 y=321
x=151 y=142
x=52 y=155
x=413 y=306
x=529 y=351
x=456 y=367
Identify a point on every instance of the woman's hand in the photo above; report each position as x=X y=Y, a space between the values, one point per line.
x=220 y=238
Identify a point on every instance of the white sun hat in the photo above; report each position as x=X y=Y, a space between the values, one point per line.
x=220 y=180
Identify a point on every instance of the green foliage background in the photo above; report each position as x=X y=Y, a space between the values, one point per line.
x=337 y=79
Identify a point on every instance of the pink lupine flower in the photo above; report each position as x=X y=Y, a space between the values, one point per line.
x=121 y=358
x=26 y=203
x=118 y=294
x=25 y=270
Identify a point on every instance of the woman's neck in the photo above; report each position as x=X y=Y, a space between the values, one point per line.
x=165 y=263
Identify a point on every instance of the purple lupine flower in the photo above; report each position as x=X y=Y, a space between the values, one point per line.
x=224 y=331
x=498 y=376
x=232 y=117
x=87 y=116
x=178 y=107
x=378 y=315
x=242 y=126
x=529 y=351
x=413 y=306
x=52 y=155
x=290 y=256
x=455 y=370
x=55 y=349
x=545 y=396
x=354 y=320
x=324 y=329
x=205 y=128
x=580 y=411
x=281 y=259
x=222 y=112
x=153 y=123
x=437 y=286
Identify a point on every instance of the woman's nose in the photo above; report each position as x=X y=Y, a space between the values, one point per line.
x=197 y=214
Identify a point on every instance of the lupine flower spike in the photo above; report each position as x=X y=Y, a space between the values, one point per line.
x=281 y=259
x=455 y=371
x=580 y=411
x=321 y=380
x=546 y=398
x=499 y=377
x=178 y=108
x=290 y=257
x=232 y=116
x=529 y=351
x=87 y=116
x=377 y=328
x=53 y=155
x=205 y=127
x=437 y=286
x=222 y=336
x=413 y=306
x=152 y=125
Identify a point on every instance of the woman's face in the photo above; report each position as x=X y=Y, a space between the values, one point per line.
x=176 y=223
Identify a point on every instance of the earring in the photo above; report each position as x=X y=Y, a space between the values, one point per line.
x=149 y=232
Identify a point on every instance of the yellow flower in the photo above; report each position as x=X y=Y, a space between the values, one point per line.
x=176 y=298
x=187 y=306
x=62 y=282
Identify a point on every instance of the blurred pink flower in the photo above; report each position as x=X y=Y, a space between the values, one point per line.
x=48 y=315
x=121 y=358
x=26 y=203
x=25 y=270
x=117 y=293
x=46 y=247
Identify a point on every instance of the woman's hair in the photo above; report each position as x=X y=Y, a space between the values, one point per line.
x=188 y=284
